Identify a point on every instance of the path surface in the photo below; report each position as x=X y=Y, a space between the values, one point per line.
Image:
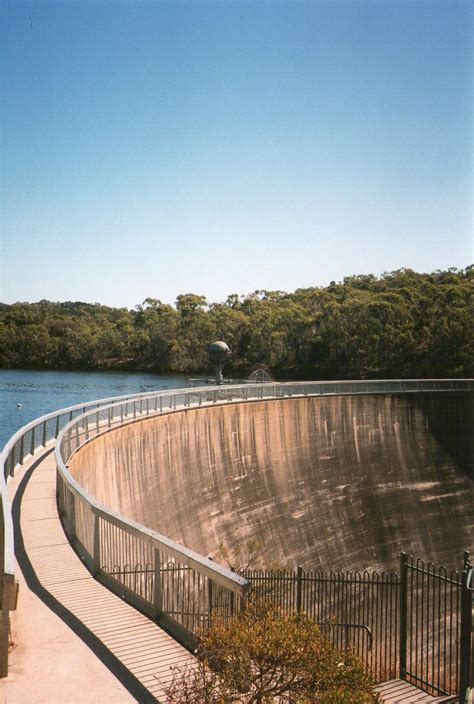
x=74 y=641
x=399 y=692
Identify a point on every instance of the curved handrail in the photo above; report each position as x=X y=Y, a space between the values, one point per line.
x=54 y=415
x=355 y=626
x=13 y=454
x=74 y=500
x=9 y=459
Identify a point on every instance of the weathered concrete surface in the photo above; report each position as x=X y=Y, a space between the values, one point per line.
x=333 y=481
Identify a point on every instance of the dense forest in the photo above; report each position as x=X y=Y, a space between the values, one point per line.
x=402 y=324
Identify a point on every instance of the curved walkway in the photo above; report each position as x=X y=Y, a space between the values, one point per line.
x=73 y=640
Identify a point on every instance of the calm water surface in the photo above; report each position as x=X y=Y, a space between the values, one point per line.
x=41 y=392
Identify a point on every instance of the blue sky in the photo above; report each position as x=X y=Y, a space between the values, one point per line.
x=158 y=148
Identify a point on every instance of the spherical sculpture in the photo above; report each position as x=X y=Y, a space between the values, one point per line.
x=218 y=353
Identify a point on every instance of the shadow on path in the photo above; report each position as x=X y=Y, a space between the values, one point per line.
x=113 y=664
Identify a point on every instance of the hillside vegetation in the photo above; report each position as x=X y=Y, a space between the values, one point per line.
x=402 y=324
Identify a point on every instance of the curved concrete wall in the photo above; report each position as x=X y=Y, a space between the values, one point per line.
x=334 y=481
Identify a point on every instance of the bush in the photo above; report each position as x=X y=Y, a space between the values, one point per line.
x=264 y=655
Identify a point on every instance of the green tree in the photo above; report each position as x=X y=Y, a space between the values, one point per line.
x=402 y=324
x=195 y=332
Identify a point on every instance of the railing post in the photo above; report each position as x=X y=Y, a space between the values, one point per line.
x=403 y=615
x=96 y=546
x=209 y=600
x=56 y=432
x=72 y=516
x=157 y=595
x=22 y=449
x=4 y=633
x=59 y=493
x=465 y=656
x=8 y=602
x=44 y=433
x=32 y=446
x=299 y=588
x=11 y=464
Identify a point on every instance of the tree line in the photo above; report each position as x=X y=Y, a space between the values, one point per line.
x=401 y=324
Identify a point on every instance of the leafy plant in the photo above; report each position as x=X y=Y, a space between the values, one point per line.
x=264 y=655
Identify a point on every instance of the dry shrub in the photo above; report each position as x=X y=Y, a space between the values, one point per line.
x=263 y=656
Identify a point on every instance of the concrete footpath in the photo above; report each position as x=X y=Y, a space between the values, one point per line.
x=74 y=642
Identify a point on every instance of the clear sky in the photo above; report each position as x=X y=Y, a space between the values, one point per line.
x=158 y=148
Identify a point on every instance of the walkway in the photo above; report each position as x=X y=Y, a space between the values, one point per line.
x=399 y=692
x=74 y=641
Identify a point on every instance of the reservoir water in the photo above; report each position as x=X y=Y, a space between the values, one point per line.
x=26 y=394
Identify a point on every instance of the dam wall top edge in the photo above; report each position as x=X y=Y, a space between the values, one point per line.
x=183 y=399
x=222 y=393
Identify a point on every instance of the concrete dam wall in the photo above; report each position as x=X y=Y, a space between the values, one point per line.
x=341 y=482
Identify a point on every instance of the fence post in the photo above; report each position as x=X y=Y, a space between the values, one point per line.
x=11 y=462
x=96 y=546
x=209 y=600
x=299 y=586
x=157 y=596
x=466 y=631
x=8 y=603
x=403 y=615
x=72 y=515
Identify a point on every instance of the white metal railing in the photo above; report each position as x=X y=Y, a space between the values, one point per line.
x=96 y=520
x=167 y=581
x=22 y=445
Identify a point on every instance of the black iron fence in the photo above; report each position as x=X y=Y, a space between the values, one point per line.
x=416 y=625
x=356 y=610
x=435 y=626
